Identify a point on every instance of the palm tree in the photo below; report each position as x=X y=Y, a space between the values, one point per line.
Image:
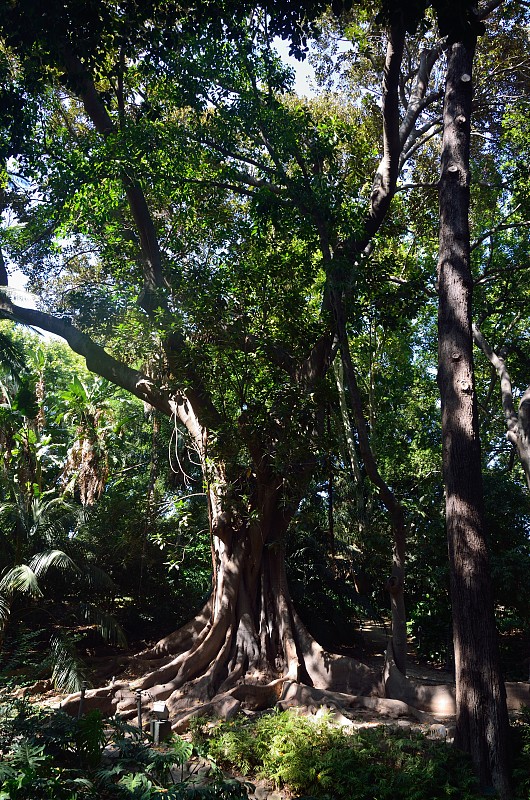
x=45 y=570
x=53 y=581
x=87 y=462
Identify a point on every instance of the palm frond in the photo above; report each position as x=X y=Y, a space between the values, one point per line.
x=49 y=521
x=68 y=671
x=110 y=629
x=20 y=579
x=11 y=355
x=5 y=610
x=8 y=512
x=97 y=580
x=41 y=562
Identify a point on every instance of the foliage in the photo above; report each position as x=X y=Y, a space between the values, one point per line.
x=317 y=759
x=39 y=587
x=250 y=192
x=521 y=734
x=20 y=657
x=50 y=755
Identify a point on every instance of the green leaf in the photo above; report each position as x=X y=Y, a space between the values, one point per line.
x=20 y=579
x=68 y=671
x=41 y=562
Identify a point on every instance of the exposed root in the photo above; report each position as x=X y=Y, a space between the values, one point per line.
x=181 y=640
x=517 y=695
x=230 y=666
x=330 y=671
x=437 y=699
x=298 y=695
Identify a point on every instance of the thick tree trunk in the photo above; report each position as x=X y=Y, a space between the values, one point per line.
x=482 y=721
x=248 y=633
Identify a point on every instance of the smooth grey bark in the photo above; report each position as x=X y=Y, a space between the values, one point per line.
x=396 y=581
x=482 y=720
x=350 y=444
x=517 y=422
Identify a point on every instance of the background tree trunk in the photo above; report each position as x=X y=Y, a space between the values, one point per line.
x=482 y=720
x=396 y=581
x=517 y=422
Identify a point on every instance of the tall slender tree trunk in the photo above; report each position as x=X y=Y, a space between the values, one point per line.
x=396 y=582
x=517 y=422
x=482 y=720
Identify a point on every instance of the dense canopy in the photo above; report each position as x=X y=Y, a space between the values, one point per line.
x=280 y=281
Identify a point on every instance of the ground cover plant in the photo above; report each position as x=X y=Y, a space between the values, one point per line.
x=45 y=753
x=314 y=759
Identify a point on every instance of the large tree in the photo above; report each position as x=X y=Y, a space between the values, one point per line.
x=482 y=719
x=180 y=163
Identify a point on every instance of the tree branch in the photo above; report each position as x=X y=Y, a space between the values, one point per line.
x=83 y=84
x=386 y=175
x=501 y=227
x=488 y=9
x=102 y=363
x=517 y=424
x=385 y=179
x=432 y=130
x=152 y=298
x=419 y=100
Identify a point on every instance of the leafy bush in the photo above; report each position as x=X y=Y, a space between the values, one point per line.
x=20 y=657
x=521 y=748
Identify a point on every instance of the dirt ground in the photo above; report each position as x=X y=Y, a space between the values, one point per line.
x=375 y=640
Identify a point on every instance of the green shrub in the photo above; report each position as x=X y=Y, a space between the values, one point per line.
x=521 y=749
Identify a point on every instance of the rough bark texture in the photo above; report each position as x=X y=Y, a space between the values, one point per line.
x=482 y=720
x=248 y=643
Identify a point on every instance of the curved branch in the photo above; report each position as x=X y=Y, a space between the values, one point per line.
x=385 y=179
x=102 y=363
x=517 y=424
x=96 y=111
x=419 y=99
x=387 y=173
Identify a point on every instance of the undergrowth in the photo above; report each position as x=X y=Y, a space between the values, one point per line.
x=316 y=760
x=47 y=755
